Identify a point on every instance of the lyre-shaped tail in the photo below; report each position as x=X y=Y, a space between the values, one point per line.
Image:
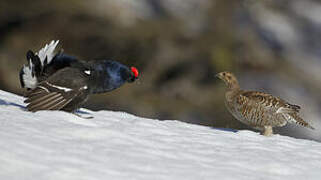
x=30 y=72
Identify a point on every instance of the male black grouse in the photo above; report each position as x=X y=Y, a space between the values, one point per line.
x=56 y=81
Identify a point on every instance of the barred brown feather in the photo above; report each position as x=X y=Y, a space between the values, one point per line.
x=257 y=109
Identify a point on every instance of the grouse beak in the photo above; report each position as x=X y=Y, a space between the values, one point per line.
x=131 y=79
x=218 y=75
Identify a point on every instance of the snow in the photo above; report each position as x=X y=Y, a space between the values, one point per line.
x=53 y=145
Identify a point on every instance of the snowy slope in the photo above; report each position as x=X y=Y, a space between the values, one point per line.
x=116 y=145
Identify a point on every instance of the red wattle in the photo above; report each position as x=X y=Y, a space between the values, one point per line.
x=135 y=71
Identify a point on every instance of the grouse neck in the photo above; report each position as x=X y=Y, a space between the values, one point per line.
x=107 y=76
x=233 y=86
x=231 y=93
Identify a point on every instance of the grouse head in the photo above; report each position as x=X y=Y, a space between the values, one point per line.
x=107 y=75
x=229 y=79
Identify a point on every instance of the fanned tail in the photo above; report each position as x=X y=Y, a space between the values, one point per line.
x=46 y=54
x=30 y=73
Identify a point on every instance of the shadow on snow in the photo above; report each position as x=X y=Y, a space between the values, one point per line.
x=5 y=103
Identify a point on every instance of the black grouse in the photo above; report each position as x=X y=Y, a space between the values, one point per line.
x=56 y=81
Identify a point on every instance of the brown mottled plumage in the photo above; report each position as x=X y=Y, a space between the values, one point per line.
x=257 y=109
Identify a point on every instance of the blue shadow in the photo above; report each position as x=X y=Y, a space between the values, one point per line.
x=225 y=129
x=5 y=103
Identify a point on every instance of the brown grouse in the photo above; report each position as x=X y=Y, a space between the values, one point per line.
x=259 y=110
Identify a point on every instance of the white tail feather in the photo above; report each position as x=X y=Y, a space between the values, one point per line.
x=30 y=80
x=47 y=51
x=28 y=76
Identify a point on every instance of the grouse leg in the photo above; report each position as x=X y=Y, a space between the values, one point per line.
x=267 y=131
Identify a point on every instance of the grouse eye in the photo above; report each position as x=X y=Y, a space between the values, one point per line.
x=224 y=74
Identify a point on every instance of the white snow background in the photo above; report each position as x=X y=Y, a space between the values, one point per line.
x=53 y=145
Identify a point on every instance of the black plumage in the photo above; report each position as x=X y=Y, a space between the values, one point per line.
x=63 y=82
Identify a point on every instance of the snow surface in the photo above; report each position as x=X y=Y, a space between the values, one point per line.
x=115 y=145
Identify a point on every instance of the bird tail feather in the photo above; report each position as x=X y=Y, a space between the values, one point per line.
x=30 y=72
x=299 y=121
x=294 y=107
